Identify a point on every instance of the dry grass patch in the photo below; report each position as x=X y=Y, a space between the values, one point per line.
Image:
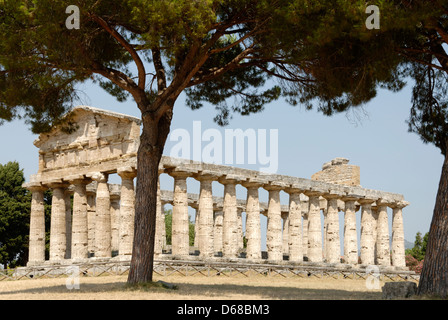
x=192 y=288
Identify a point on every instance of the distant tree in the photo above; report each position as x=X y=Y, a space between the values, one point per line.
x=419 y=249
x=168 y=228
x=15 y=206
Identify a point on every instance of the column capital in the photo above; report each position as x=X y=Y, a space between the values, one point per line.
x=57 y=183
x=311 y=193
x=292 y=190
x=332 y=196
x=275 y=186
x=175 y=173
x=383 y=203
x=350 y=197
x=78 y=179
x=399 y=205
x=127 y=172
x=366 y=201
x=99 y=177
x=231 y=179
x=206 y=176
x=34 y=186
x=252 y=183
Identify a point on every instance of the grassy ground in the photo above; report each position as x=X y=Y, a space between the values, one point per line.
x=193 y=288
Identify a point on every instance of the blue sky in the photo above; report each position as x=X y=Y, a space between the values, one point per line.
x=374 y=138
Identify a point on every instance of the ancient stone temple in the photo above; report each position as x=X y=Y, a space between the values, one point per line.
x=76 y=164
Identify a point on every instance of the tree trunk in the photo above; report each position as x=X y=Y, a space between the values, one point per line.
x=152 y=142
x=434 y=276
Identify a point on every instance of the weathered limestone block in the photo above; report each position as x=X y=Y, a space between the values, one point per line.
x=397 y=290
x=339 y=171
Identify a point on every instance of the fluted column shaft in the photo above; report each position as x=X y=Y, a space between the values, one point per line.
x=253 y=227
x=382 y=234
x=58 y=236
x=91 y=219
x=80 y=226
x=37 y=226
x=367 y=232
x=160 y=224
x=274 y=231
x=314 y=229
x=179 y=234
x=295 y=227
x=230 y=222
x=127 y=212
x=333 y=245
x=398 y=249
x=350 y=235
x=102 y=223
x=217 y=231
x=206 y=245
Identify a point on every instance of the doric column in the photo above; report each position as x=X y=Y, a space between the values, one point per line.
x=295 y=226
x=58 y=236
x=195 y=206
x=382 y=234
x=206 y=245
x=217 y=231
x=350 y=235
x=285 y=232
x=179 y=234
x=314 y=228
x=274 y=231
x=305 y=210
x=115 y=222
x=80 y=226
x=333 y=245
x=91 y=218
x=160 y=223
x=367 y=232
x=127 y=212
x=398 y=249
x=37 y=225
x=240 y=233
x=68 y=224
x=253 y=227
x=230 y=221
x=102 y=223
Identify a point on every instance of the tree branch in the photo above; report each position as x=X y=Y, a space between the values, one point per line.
x=127 y=46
